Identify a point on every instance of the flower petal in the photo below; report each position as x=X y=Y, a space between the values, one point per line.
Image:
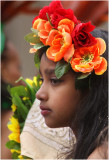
x=36 y=22
x=41 y=25
x=75 y=61
x=43 y=41
x=101 y=44
x=51 y=36
x=14 y=136
x=84 y=68
x=67 y=38
x=66 y=22
x=69 y=53
x=102 y=68
x=43 y=34
x=96 y=62
x=32 y=50
x=48 y=26
x=57 y=41
x=66 y=28
x=52 y=52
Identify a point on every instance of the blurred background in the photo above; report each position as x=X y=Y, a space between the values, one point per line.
x=17 y=17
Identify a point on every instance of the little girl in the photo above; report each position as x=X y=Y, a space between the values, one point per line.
x=73 y=70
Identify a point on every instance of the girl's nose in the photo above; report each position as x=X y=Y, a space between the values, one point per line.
x=42 y=94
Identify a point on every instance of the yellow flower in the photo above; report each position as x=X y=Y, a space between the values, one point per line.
x=25 y=98
x=13 y=150
x=35 y=80
x=14 y=136
x=20 y=157
x=15 y=128
x=40 y=82
x=26 y=89
x=29 y=81
x=13 y=106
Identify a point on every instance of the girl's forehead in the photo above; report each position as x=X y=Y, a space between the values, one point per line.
x=48 y=67
x=45 y=62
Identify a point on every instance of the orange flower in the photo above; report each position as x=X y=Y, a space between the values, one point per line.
x=32 y=50
x=85 y=59
x=60 y=41
x=44 y=28
x=60 y=46
x=67 y=25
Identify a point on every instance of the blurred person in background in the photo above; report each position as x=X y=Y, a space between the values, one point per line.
x=10 y=72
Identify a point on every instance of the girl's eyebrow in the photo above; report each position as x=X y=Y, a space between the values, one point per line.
x=48 y=72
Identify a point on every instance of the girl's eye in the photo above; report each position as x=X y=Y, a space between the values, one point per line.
x=55 y=81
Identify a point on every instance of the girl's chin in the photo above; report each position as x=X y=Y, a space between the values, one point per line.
x=54 y=124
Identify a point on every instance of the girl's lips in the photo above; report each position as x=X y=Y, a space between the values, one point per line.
x=44 y=110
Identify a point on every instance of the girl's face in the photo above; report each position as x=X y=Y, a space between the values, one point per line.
x=58 y=97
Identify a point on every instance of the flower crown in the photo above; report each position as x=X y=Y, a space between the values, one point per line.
x=67 y=39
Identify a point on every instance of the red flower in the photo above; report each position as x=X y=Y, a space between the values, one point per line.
x=35 y=19
x=43 y=11
x=53 y=6
x=60 y=14
x=67 y=13
x=56 y=12
x=81 y=36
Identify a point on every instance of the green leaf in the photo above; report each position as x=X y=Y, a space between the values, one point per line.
x=34 y=87
x=29 y=88
x=20 y=90
x=32 y=38
x=22 y=109
x=83 y=75
x=49 y=19
x=61 y=68
x=39 y=45
x=35 y=31
x=28 y=103
x=15 y=155
x=13 y=145
x=21 y=124
x=25 y=157
x=9 y=89
x=36 y=59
